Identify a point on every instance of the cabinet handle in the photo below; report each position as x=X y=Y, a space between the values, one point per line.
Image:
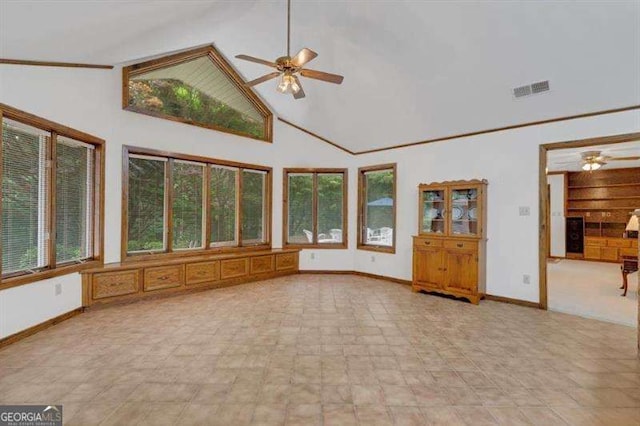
x=460 y=245
x=427 y=243
x=164 y=277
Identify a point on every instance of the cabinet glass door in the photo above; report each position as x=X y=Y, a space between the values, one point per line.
x=464 y=212
x=433 y=211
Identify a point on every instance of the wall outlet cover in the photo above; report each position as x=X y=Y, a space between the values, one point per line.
x=312 y=256
x=526 y=279
x=58 y=289
x=525 y=211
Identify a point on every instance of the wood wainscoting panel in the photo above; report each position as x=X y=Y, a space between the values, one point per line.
x=202 y=272
x=111 y=284
x=262 y=264
x=160 y=277
x=286 y=261
x=234 y=268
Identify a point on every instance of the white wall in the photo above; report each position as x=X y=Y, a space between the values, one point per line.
x=557 y=223
x=90 y=100
x=509 y=161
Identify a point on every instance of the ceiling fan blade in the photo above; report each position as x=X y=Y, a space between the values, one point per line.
x=262 y=79
x=324 y=76
x=623 y=158
x=300 y=93
x=304 y=55
x=257 y=60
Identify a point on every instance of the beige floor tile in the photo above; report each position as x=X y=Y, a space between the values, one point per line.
x=331 y=349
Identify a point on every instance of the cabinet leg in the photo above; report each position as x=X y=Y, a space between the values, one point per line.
x=625 y=283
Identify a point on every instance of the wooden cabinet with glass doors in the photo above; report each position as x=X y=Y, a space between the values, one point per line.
x=449 y=250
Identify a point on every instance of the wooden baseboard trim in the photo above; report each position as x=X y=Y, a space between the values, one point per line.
x=358 y=273
x=38 y=327
x=512 y=301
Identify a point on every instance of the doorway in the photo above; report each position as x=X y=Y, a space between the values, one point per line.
x=588 y=189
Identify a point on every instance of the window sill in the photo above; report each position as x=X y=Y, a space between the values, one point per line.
x=46 y=274
x=379 y=249
x=194 y=252
x=342 y=246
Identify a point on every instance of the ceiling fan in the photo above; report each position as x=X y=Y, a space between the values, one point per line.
x=290 y=67
x=593 y=160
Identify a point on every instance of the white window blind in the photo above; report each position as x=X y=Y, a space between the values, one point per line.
x=188 y=205
x=146 y=205
x=223 y=186
x=74 y=200
x=253 y=206
x=24 y=197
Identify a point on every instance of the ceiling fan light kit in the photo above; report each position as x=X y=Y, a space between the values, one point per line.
x=289 y=68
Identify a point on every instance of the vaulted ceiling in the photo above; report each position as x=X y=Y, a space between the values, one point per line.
x=413 y=70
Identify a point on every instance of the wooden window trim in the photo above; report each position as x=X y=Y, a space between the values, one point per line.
x=285 y=207
x=53 y=269
x=361 y=206
x=168 y=253
x=218 y=59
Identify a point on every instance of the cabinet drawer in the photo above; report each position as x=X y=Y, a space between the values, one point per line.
x=286 y=261
x=233 y=268
x=608 y=253
x=460 y=245
x=631 y=251
x=160 y=277
x=634 y=243
x=591 y=252
x=423 y=242
x=202 y=272
x=590 y=241
x=262 y=264
x=110 y=284
x=619 y=243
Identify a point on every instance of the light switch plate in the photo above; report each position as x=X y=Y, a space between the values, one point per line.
x=525 y=211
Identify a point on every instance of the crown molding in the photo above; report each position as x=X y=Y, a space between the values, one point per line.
x=53 y=64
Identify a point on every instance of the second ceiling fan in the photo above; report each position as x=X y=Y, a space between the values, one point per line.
x=290 y=67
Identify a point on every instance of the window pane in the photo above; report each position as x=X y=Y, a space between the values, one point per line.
x=223 y=184
x=300 y=199
x=146 y=204
x=197 y=91
x=330 y=199
x=253 y=206
x=188 y=180
x=378 y=211
x=24 y=197
x=74 y=196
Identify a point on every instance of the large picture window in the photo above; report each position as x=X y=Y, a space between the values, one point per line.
x=315 y=208
x=197 y=87
x=185 y=204
x=377 y=208
x=51 y=209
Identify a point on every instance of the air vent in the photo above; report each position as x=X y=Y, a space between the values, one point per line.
x=521 y=91
x=531 y=89
x=541 y=86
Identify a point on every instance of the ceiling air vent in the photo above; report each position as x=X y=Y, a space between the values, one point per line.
x=531 y=89
x=539 y=87
x=521 y=91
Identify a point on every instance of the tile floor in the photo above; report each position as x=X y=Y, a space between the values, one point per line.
x=591 y=289
x=335 y=350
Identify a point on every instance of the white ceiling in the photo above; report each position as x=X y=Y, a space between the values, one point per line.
x=570 y=160
x=413 y=70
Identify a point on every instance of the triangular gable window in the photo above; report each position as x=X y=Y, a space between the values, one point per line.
x=197 y=87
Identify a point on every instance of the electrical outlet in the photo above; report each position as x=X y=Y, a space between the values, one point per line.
x=525 y=211
x=373 y=259
x=312 y=256
x=526 y=279
x=58 y=289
